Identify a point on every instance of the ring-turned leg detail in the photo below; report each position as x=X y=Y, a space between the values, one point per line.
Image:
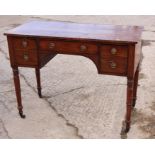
x=37 y=70
x=130 y=85
x=135 y=87
x=18 y=91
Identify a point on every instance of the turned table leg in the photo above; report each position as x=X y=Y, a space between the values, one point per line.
x=18 y=91
x=135 y=87
x=130 y=85
x=37 y=70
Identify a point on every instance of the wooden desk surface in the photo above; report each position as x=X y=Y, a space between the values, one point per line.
x=114 y=49
x=75 y=31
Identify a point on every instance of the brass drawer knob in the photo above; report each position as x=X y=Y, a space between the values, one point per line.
x=51 y=45
x=113 y=65
x=26 y=57
x=83 y=48
x=113 y=51
x=24 y=43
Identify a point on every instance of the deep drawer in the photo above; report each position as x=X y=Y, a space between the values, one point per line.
x=26 y=57
x=21 y=43
x=113 y=50
x=115 y=66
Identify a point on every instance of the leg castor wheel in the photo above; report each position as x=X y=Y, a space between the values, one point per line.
x=40 y=95
x=22 y=115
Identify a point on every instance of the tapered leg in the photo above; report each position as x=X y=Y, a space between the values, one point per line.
x=130 y=85
x=135 y=87
x=18 y=91
x=38 y=81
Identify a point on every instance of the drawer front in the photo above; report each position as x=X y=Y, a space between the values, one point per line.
x=112 y=51
x=116 y=66
x=67 y=47
x=24 y=44
x=26 y=58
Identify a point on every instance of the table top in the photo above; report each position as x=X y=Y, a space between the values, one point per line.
x=77 y=31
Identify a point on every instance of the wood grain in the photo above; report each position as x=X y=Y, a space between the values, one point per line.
x=77 y=31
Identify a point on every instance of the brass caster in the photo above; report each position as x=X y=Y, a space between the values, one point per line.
x=125 y=128
x=22 y=115
x=40 y=95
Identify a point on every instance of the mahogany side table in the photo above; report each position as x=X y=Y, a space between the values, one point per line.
x=114 y=49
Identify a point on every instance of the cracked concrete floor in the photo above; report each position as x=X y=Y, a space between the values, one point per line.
x=74 y=107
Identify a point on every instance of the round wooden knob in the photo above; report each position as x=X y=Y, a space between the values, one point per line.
x=24 y=43
x=26 y=57
x=51 y=45
x=83 y=48
x=113 y=51
x=113 y=65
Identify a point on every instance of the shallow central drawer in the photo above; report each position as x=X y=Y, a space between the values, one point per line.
x=67 y=47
